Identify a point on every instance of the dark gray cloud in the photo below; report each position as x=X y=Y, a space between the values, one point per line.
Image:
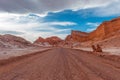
x=43 y=6
x=36 y=6
x=16 y=5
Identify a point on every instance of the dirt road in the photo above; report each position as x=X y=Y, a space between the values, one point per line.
x=62 y=64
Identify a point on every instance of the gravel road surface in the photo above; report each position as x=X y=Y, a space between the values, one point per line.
x=62 y=64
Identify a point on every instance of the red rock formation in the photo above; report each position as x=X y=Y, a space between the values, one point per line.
x=40 y=40
x=69 y=38
x=105 y=30
x=97 y=48
x=51 y=40
x=77 y=36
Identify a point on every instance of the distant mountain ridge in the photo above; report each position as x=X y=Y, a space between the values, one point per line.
x=108 y=30
x=54 y=40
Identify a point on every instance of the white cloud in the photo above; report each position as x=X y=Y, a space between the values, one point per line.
x=17 y=21
x=62 y=23
x=92 y=26
x=27 y=26
x=110 y=10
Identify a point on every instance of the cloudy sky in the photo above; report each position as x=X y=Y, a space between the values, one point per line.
x=33 y=18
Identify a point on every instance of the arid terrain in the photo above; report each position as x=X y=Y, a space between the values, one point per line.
x=59 y=39
x=62 y=64
x=73 y=58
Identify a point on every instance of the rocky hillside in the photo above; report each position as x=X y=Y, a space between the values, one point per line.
x=40 y=40
x=48 y=41
x=77 y=36
x=10 y=41
x=112 y=39
x=105 y=30
x=108 y=32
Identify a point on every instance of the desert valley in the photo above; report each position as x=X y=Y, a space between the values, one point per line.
x=53 y=58
x=107 y=35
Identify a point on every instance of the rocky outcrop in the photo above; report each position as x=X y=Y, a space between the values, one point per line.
x=40 y=40
x=78 y=36
x=107 y=34
x=54 y=41
x=104 y=31
x=11 y=41
x=97 y=48
x=69 y=38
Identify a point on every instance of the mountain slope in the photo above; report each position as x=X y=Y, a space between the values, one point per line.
x=11 y=41
x=54 y=40
x=107 y=34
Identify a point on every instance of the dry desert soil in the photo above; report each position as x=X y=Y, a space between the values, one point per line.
x=62 y=64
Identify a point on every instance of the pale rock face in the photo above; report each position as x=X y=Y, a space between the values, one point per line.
x=10 y=41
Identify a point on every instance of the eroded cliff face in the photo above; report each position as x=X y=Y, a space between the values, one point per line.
x=105 y=30
x=79 y=36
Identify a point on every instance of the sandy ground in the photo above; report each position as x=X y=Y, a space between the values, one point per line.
x=109 y=51
x=7 y=53
x=62 y=64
